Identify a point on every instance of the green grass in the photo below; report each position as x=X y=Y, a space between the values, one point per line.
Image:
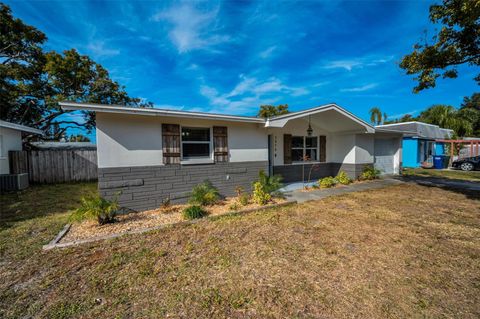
x=450 y=174
x=355 y=255
x=33 y=217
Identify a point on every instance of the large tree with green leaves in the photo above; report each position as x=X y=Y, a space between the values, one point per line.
x=33 y=81
x=457 y=43
x=447 y=116
x=267 y=111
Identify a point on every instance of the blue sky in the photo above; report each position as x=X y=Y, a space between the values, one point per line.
x=230 y=57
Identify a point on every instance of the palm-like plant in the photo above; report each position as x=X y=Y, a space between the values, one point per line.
x=447 y=116
x=375 y=115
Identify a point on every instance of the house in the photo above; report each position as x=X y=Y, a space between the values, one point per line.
x=419 y=141
x=11 y=140
x=149 y=154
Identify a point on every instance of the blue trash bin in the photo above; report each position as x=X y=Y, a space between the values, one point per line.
x=438 y=162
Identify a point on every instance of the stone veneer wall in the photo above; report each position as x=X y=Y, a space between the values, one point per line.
x=293 y=173
x=145 y=187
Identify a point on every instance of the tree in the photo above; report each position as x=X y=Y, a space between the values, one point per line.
x=33 y=81
x=470 y=111
x=471 y=102
x=267 y=111
x=78 y=138
x=457 y=43
x=21 y=60
x=375 y=116
x=447 y=116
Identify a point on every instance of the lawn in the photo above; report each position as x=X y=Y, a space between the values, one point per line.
x=450 y=174
x=402 y=251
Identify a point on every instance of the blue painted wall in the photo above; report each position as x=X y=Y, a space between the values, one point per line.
x=439 y=148
x=410 y=152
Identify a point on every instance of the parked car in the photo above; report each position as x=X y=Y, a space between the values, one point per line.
x=467 y=163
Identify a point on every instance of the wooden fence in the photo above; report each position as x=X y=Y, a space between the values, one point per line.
x=55 y=166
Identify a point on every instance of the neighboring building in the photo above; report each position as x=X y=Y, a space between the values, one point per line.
x=419 y=141
x=11 y=140
x=150 y=154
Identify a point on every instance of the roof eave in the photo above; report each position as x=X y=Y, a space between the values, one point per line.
x=156 y=112
x=281 y=120
x=21 y=128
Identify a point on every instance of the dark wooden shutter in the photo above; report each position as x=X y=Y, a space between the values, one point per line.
x=287 y=149
x=323 y=148
x=171 y=143
x=220 y=143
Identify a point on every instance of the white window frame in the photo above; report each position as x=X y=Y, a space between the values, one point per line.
x=198 y=159
x=305 y=148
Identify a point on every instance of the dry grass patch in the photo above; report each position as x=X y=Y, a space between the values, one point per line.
x=399 y=252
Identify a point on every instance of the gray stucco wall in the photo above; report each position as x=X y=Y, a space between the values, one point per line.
x=145 y=187
x=293 y=173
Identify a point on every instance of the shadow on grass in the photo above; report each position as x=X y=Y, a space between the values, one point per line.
x=470 y=189
x=41 y=201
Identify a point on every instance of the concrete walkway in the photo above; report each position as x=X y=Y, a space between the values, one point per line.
x=316 y=194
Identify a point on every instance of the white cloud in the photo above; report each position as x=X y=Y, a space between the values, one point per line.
x=362 y=88
x=249 y=93
x=342 y=64
x=265 y=54
x=192 y=29
x=99 y=49
x=350 y=64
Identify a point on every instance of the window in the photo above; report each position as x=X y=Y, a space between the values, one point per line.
x=195 y=142
x=304 y=147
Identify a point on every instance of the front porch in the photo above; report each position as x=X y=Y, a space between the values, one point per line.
x=318 y=143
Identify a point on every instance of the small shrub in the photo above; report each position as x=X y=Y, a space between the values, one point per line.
x=243 y=199
x=234 y=206
x=369 y=173
x=260 y=195
x=327 y=182
x=166 y=202
x=204 y=194
x=270 y=184
x=343 y=178
x=96 y=207
x=193 y=212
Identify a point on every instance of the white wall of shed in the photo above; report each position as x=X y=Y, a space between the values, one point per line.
x=10 y=140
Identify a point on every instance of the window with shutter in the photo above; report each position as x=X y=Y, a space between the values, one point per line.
x=171 y=143
x=220 y=143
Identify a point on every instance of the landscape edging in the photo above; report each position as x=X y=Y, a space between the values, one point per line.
x=56 y=244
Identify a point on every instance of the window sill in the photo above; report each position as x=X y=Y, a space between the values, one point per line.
x=306 y=162
x=197 y=161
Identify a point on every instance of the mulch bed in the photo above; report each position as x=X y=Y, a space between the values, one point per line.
x=151 y=218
